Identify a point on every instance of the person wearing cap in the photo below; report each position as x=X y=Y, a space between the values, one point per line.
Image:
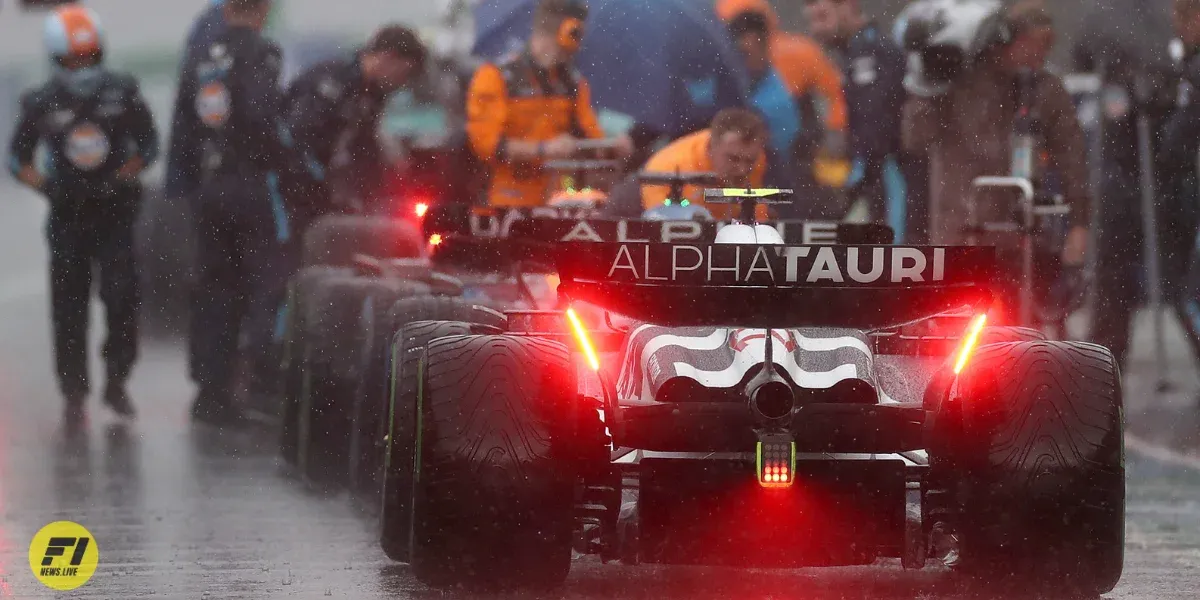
x=534 y=107
x=332 y=113
x=99 y=136
x=242 y=224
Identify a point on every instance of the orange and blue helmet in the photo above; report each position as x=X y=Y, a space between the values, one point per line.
x=74 y=31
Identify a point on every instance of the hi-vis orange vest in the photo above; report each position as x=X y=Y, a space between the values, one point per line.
x=518 y=100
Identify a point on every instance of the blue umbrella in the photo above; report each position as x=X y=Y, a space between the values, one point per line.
x=668 y=64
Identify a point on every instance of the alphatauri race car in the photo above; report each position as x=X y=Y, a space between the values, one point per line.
x=730 y=396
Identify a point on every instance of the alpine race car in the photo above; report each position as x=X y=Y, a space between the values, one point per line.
x=365 y=277
x=741 y=399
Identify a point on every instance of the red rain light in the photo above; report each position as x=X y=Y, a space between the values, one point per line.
x=969 y=342
x=585 y=342
x=420 y=209
x=776 y=460
x=435 y=239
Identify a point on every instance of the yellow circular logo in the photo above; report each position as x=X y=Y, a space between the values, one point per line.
x=63 y=555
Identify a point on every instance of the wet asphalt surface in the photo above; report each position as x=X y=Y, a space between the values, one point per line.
x=186 y=511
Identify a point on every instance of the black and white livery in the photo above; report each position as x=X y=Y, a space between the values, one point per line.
x=741 y=396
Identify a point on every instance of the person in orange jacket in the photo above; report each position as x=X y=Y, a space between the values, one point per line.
x=533 y=107
x=733 y=148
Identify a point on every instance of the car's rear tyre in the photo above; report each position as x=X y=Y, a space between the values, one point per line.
x=332 y=358
x=336 y=239
x=493 y=497
x=373 y=398
x=1000 y=334
x=295 y=340
x=1040 y=462
x=395 y=520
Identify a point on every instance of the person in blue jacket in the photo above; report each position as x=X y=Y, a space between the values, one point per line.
x=873 y=68
x=769 y=95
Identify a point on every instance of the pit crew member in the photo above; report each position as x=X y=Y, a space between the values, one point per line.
x=769 y=95
x=182 y=183
x=811 y=77
x=99 y=136
x=241 y=222
x=332 y=113
x=965 y=120
x=733 y=148
x=873 y=71
x=1178 y=152
x=533 y=107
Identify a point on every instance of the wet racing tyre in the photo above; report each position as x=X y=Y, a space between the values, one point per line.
x=336 y=239
x=1000 y=334
x=332 y=357
x=400 y=434
x=1040 y=466
x=300 y=291
x=371 y=402
x=493 y=494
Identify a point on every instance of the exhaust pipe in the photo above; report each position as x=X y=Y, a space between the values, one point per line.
x=771 y=399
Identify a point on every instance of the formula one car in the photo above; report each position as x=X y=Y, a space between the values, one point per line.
x=744 y=400
x=367 y=276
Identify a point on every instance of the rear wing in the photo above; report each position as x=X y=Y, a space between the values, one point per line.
x=557 y=224
x=489 y=239
x=860 y=286
x=556 y=231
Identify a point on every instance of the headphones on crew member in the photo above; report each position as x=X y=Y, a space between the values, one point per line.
x=570 y=34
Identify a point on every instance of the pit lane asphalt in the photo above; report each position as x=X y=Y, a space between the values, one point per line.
x=183 y=511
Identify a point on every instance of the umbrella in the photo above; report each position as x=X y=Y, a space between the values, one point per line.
x=668 y=64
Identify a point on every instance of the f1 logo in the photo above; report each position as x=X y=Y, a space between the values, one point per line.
x=63 y=555
x=58 y=547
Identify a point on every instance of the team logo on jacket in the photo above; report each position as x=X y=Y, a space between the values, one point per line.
x=213 y=104
x=87 y=147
